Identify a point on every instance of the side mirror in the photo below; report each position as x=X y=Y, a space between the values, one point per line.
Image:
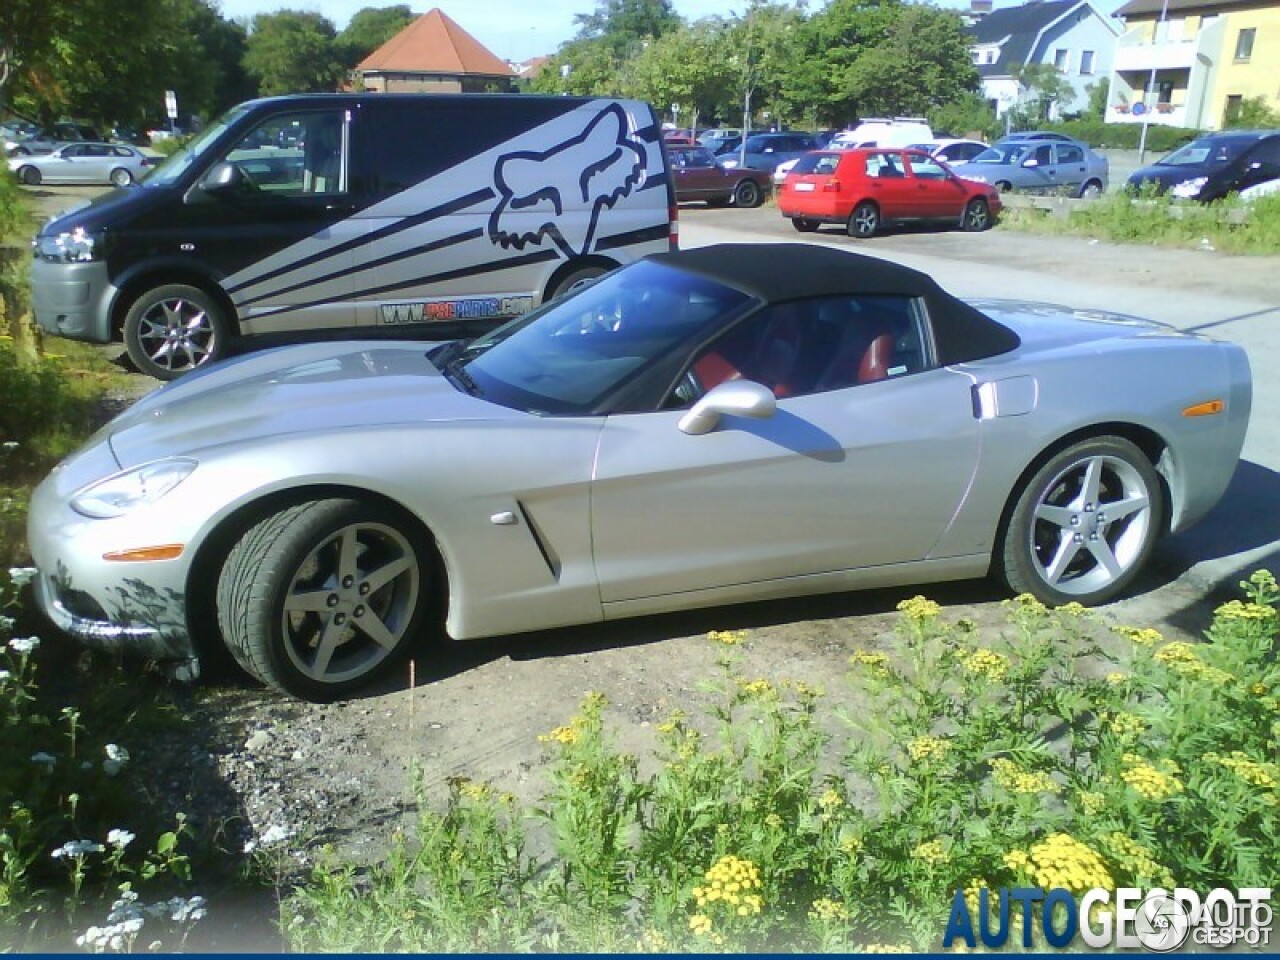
x=737 y=398
x=225 y=178
x=1031 y=162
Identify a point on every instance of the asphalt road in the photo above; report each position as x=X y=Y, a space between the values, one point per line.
x=1230 y=297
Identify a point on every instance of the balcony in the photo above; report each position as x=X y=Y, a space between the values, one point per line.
x=1164 y=114
x=1171 y=55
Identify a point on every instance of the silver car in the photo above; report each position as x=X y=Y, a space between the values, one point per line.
x=113 y=163
x=1039 y=166
x=713 y=426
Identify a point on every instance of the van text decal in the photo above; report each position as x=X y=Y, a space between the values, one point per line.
x=476 y=308
x=598 y=168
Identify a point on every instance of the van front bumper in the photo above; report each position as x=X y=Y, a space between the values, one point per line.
x=72 y=300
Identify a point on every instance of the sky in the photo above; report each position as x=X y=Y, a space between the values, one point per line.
x=512 y=29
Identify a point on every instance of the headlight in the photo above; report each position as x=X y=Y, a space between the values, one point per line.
x=118 y=495
x=78 y=246
x=1189 y=188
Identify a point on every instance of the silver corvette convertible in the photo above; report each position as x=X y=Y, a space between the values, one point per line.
x=724 y=424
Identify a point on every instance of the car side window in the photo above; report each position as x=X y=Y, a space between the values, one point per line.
x=1070 y=153
x=883 y=165
x=701 y=158
x=293 y=155
x=928 y=168
x=1042 y=156
x=817 y=345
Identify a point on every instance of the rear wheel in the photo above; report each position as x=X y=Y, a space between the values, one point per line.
x=864 y=221
x=976 y=216
x=1084 y=525
x=747 y=194
x=173 y=329
x=574 y=280
x=803 y=225
x=1091 y=190
x=121 y=177
x=321 y=598
x=30 y=176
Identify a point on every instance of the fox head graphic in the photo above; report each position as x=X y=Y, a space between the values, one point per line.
x=593 y=170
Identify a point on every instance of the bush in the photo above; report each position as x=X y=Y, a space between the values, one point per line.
x=1057 y=754
x=1126 y=136
x=15 y=221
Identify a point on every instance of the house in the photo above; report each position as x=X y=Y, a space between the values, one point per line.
x=1071 y=35
x=433 y=55
x=1192 y=63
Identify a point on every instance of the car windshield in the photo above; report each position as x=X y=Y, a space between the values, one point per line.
x=1212 y=150
x=1003 y=153
x=760 y=144
x=179 y=162
x=575 y=352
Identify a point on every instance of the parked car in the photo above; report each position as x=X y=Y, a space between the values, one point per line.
x=713 y=426
x=882 y=132
x=113 y=163
x=724 y=146
x=865 y=189
x=951 y=151
x=697 y=176
x=1041 y=165
x=1039 y=135
x=46 y=141
x=716 y=138
x=1211 y=166
x=764 y=151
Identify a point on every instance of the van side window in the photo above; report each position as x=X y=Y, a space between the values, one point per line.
x=300 y=154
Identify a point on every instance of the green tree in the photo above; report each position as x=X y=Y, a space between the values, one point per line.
x=1254 y=112
x=682 y=68
x=369 y=29
x=624 y=26
x=1046 y=88
x=829 y=45
x=761 y=49
x=293 y=52
x=967 y=115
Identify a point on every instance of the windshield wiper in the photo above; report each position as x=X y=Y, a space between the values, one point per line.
x=455 y=370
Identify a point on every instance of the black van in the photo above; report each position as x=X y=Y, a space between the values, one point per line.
x=364 y=213
x=1212 y=166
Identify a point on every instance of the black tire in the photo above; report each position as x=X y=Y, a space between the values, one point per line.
x=747 y=194
x=1083 y=526
x=864 y=222
x=21 y=152
x=1003 y=186
x=573 y=280
x=173 y=329
x=323 y=597
x=803 y=225
x=976 y=216
x=30 y=176
x=1091 y=190
x=121 y=177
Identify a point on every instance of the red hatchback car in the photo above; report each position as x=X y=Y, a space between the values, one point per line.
x=864 y=189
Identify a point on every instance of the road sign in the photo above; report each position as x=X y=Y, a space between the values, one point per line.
x=171 y=104
x=1139 y=109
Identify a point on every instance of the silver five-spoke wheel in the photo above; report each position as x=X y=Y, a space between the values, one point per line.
x=1084 y=524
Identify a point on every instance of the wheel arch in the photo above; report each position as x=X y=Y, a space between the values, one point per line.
x=160 y=274
x=1153 y=447
x=202 y=575
x=571 y=266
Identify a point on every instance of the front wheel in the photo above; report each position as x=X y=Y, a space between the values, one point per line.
x=747 y=194
x=1091 y=190
x=321 y=598
x=30 y=176
x=864 y=221
x=121 y=177
x=1084 y=525
x=574 y=280
x=174 y=329
x=976 y=216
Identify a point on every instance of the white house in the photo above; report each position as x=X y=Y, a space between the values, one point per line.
x=1071 y=35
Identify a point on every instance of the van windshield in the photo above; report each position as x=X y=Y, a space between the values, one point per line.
x=189 y=153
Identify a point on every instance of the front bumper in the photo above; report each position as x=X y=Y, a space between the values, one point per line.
x=72 y=300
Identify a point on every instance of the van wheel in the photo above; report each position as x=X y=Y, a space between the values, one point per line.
x=121 y=177
x=574 y=280
x=30 y=176
x=174 y=329
x=747 y=194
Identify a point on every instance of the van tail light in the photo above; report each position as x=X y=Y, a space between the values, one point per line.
x=673 y=219
x=831 y=186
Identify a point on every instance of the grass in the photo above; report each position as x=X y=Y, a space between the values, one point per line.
x=1146 y=219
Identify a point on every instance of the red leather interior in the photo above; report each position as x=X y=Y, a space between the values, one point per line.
x=712 y=369
x=876 y=359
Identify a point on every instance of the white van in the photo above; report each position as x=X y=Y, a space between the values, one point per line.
x=880 y=132
x=332 y=214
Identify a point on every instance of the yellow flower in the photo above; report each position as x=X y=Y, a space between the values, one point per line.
x=1239 y=610
x=1125 y=726
x=761 y=689
x=972 y=895
x=928 y=748
x=1148 y=781
x=653 y=941
x=672 y=723
x=1062 y=861
x=1091 y=802
x=1139 y=861
x=1258 y=689
x=919 y=609
x=1142 y=636
x=773 y=820
x=1256 y=773
x=986 y=663
x=1074 y=609
x=931 y=852
x=1016 y=860
x=730 y=638
x=476 y=791
x=1015 y=779
x=732 y=881
x=700 y=924
x=877 y=664
x=566 y=735
x=1026 y=603
x=830 y=799
x=887 y=948
x=825 y=910
x=1116 y=678
x=850 y=845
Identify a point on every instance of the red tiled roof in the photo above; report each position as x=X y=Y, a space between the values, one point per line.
x=434 y=43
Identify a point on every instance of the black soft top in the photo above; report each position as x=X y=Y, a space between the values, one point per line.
x=778 y=272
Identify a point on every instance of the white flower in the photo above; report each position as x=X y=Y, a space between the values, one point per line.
x=46 y=760
x=10 y=444
x=274 y=834
x=7 y=623
x=187 y=911
x=117 y=757
x=24 y=645
x=119 y=838
x=77 y=848
x=21 y=576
